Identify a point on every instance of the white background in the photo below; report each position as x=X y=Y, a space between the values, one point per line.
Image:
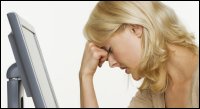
x=59 y=28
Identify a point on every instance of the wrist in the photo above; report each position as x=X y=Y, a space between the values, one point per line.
x=85 y=75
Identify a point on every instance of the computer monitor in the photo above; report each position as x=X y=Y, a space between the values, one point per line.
x=30 y=62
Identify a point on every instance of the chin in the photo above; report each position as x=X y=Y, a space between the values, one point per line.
x=137 y=78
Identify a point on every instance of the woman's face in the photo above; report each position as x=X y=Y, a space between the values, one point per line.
x=124 y=49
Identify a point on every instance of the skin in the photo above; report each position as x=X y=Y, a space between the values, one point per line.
x=181 y=67
x=116 y=53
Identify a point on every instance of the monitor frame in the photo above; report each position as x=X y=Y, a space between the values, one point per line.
x=24 y=63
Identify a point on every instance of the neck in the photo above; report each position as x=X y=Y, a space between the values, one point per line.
x=181 y=65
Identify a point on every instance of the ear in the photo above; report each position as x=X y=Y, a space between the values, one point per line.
x=137 y=29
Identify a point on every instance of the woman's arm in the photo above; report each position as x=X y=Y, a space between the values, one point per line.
x=87 y=93
x=93 y=56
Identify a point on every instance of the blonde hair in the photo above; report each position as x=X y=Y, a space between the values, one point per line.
x=160 y=27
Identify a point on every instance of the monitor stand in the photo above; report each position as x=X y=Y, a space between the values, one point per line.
x=15 y=89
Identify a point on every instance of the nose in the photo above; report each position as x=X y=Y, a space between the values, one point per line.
x=112 y=61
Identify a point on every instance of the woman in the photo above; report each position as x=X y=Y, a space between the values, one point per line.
x=148 y=41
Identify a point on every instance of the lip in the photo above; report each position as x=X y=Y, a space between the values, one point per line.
x=122 y=68
x=126 y=70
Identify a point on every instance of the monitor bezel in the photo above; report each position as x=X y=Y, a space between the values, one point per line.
x=23 y=60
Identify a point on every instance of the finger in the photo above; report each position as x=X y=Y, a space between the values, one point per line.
x=103 y=58
x=101 y=62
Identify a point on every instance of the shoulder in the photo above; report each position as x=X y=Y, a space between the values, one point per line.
x=195 y=92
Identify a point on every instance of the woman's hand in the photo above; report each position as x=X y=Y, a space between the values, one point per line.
x=93 y=56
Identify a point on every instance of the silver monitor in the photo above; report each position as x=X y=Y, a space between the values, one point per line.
x=30 y=63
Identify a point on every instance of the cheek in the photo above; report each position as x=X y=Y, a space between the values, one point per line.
x=135 y=53
x=127 y=57
x=133 y=59
x=127 y=50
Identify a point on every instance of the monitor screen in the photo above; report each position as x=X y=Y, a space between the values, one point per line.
x=30 y=62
